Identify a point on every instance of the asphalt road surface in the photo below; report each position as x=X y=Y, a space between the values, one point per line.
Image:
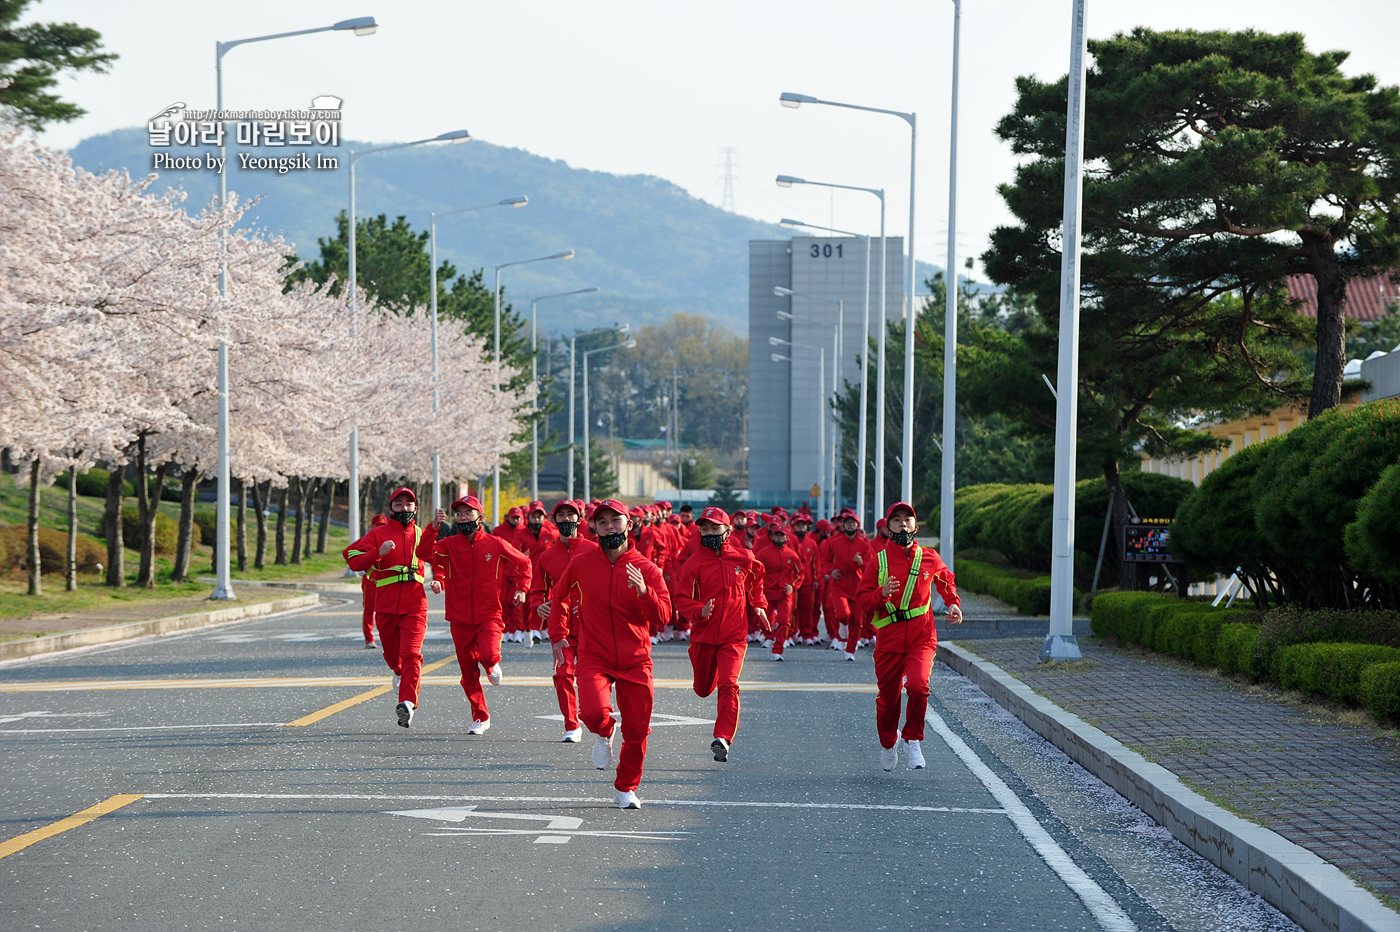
x=202 y=807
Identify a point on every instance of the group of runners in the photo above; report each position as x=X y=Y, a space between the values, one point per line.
x=603 y=582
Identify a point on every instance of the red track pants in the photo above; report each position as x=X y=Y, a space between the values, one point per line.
x=367 y=600
x=478 y=648
x=780 y=616
x=566 y=685
x=634 y=700
x=807 y=612
x=842 y=613
x=402 y=638
x=910 y=669
x=719 y=665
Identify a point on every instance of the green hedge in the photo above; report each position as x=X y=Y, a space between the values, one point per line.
x=53 y=550
x=1380 y=690
x=1027 y=591
x=1213 y=637
x=167 y=530
x=1330 y=670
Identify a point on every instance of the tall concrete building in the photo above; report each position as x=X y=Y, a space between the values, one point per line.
x=784 y=397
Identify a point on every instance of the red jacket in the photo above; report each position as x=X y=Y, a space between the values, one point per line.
x=782 y=566
x=473 y=571
x=808 y=548
x=398 y=575
x=527 y=543
x=595 y=602
x=652 y=542
x=548 y=566
x=734 y=579
x=911 y=633
x=839 y=552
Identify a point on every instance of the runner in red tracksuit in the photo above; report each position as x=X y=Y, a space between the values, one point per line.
x=806 y=607
x=367 y=595
x=843 y=558
x=822 y=531
x=549 y=565
x=387 y=554
x=719 y=589
x=532 y=538
x=898 y=588
x=782 y=576
x=612 y=600
x=472 y=567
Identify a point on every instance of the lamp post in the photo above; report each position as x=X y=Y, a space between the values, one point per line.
x=455 y=136
x=573 y=351
x=787 y=181
x=906 y=486
x=950 y=325
x=534 y=380
x=821 y=394
x=588 y=450
x=782 y=292
x=496 y=470
x=1060 y=643
x=223 y=586
x=517 y=201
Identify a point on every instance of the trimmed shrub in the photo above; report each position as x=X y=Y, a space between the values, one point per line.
x=1214 y=528
x=1380 y=691
x=985 y=555
x=1115 y=614
x=1331 y=670
x=1283 y=627
x=93 y=483
x=1373 y=539
x=1028 y=592
x=1235 y=648
x=206 y=522
x=53 y=550
x=167 y=531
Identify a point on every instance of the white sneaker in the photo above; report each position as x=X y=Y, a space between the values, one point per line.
x=493 y=675
x=396 y=681
x=602 y=752
x=653 y=639
x=837 y=644
x=535 y=637
x=370 y=645
x=405 y=712
x=627 y=800
x=768 y=643
x=777 y=657
x=843 y=632
x=573 y=736
x=916 y=755
x=850 y=658
x=889 y=757
x=720 y=747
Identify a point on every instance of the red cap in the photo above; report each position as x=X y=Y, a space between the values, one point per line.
x=516 y=511
x=566 y=503
x=752 y=515
x=800 y=516
x=471 y=501
x=636 y=512
x=824 y=525
x=665 y=504
x=612 y=504
x=879 y=524
x=534 y=507
x=378 y=520
x=901 y=506
x=848 y=513
x=403 y=491
x=715 y=515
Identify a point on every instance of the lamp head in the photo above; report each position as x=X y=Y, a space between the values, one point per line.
x=362 y=25
x=778 y=357
x=565 y=255
x=588 y=290
x=775 y=341
x=518 y=201
x=788 y=99
x=784 y=315
x=787 y=181
x=782 y=292
x=457 y=136
x=629 y=344
x=790 y=224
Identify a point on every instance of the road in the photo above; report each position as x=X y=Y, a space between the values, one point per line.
x=216 y=813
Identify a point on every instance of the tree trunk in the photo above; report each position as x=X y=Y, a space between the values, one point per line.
x=1113 y=478
x=311 y=486
x=184 y=548
x=72 y=528
x=149 y=507
x=242 y=526
x=357 y=532
x=301 y=486
x=281 y=559
x=325 y=517
x=262 y=492
x=116 y=553
x=36 y=568
x=1331 y=323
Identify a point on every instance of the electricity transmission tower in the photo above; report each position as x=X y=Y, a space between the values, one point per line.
x=730 y=165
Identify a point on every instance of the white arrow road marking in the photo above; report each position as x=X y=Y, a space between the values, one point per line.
x=461 y=813
x=45 y=714
x=438 y=634
x=235 y=638
x=302 y=636
x=669 y=720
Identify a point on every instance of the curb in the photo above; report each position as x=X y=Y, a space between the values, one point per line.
x=1307 y=889
x=337 y=587
x=87 y=637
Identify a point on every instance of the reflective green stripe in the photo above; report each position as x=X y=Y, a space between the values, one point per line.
x=401 y=573
x=881 y=620
x=404 y=575
x=354 y=553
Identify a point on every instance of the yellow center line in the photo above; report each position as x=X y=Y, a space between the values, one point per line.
x=19 y=843
x=330 y=710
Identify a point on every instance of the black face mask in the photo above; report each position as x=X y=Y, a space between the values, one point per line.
x=566 y=528
x=780 y=542
x=850 y=534
x=801 y=535
x=468 y=527
x=404 y=517
x=712 y=541
x=903 y=538
x=612 y=541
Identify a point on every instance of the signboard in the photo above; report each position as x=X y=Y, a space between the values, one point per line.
x=1149 y=541
x=816 y=491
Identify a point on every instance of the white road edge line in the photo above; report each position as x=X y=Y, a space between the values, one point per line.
x=51 y=731
x=1104 y=909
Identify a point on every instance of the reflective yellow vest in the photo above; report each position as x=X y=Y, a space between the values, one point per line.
x=902 y=612
x=388 y=575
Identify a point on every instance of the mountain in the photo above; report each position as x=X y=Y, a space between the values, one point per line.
x=651 y=248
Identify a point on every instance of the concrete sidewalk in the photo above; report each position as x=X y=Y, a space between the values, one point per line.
x=1327 y=781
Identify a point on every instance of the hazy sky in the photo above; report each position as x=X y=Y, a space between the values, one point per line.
x=659 y=87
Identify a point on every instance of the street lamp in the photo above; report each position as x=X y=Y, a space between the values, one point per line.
x=821 y=392
x=223 y=586
x=517 y=201
x=950 y=325
x=496 y=471
x=588 y=450
x=907 y=478
x=534 y=379
x=573 y=351
x=456 y=136
x=787 y=181
x=835 y=372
